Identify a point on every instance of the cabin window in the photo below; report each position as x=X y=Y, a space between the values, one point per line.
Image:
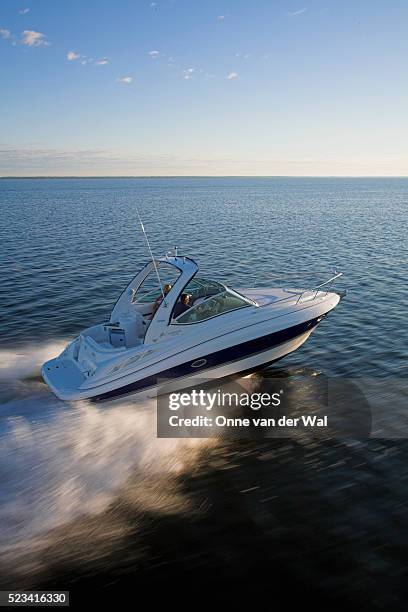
x=221 y=303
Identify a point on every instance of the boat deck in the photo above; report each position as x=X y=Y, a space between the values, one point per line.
x=265 y=296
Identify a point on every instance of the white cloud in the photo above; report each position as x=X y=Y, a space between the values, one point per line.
x=220 y=17
x=31 y=38
x=299 y=12
x=84 y=60
x=24 y=11
x=34 y=161
x=71 y=56
x=153 y=4
x=125 y=79
x=6 y=34
x=154 y=54
x=232 y=76
x=188 y=73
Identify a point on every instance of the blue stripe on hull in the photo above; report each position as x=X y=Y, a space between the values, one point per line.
x=220 y=358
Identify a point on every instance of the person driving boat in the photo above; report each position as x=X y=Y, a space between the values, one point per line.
x=182 y=305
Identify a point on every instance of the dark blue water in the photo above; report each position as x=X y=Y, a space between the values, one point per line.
x=69 y=246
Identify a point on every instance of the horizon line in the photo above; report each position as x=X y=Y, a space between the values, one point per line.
x=176 y=176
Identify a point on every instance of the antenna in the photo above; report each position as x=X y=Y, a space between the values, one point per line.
x=151 y=255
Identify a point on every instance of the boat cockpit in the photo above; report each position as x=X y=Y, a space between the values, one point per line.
x=144 y=310
x=207 y=299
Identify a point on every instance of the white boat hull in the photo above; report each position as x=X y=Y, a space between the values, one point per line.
x=237 y=367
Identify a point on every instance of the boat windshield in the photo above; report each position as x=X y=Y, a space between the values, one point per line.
x=202 y=288
x=206 y=308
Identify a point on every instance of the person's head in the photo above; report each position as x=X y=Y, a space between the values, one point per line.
x=166 y=288
x=185 y=298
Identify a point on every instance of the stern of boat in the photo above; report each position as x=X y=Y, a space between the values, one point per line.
x=64 y=377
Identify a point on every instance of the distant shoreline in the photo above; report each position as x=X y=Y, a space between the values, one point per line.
x=192 y=176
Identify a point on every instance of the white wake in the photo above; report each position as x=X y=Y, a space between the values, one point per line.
x=59 y=461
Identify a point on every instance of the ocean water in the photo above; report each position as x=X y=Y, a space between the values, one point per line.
x=69 y=246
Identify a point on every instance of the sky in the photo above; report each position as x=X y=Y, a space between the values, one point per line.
x=183 y=87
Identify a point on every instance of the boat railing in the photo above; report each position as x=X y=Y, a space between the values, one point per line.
x=311 y=290
x=328 y=283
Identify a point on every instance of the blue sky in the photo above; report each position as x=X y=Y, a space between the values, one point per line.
x=176 y=87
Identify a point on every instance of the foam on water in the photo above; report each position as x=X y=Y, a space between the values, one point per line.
x=25 y=362
x=59 y=461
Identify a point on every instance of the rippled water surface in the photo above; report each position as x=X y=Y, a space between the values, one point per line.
x=69 y=246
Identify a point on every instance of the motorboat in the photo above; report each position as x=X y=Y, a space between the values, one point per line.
x=152 y=336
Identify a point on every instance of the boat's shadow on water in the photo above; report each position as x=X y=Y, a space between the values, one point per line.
x=292 y=520
x=305 y=518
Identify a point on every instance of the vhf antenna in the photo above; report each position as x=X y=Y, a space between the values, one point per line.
x=151 y=255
